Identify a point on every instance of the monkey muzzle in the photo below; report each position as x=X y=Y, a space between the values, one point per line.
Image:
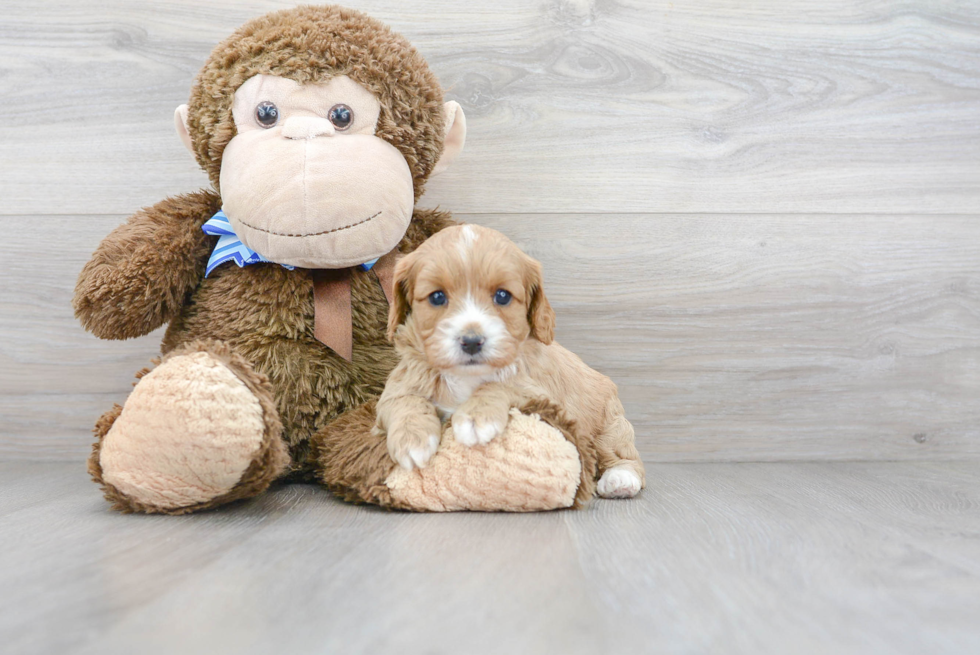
x=305 y=195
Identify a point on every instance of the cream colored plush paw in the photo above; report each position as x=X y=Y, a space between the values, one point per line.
x=187 y=434
x=530 y=466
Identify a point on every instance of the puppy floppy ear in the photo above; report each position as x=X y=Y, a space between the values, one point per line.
x=403 y=287
x=540 y=315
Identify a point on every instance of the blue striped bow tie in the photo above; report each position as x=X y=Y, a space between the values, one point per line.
x=230 y=247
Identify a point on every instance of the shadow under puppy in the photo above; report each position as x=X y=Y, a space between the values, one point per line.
x=475 y=334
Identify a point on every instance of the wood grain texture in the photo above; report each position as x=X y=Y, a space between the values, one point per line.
x=738 y=558
x=743 y=326
x=731 y=337
x=573 y=105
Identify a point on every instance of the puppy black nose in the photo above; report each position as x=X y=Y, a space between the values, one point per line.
x=471 y=343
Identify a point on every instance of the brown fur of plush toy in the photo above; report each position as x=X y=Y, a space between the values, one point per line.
x=150 y=270
x=353 y=462
x=269 y=463
x=291 y=44
x=266 y=390
x=264 y=313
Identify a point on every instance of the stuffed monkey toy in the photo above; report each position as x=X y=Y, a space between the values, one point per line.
x=318 y=128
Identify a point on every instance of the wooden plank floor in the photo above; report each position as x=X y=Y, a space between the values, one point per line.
x=735 y=558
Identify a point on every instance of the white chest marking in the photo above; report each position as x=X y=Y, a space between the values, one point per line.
x=461 y=387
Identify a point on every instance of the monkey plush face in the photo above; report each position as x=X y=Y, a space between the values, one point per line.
x=306 y=182
x=320 y=127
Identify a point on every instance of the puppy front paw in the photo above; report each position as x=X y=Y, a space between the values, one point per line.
x=479 y=423
x=619 y=482
x=413 y=442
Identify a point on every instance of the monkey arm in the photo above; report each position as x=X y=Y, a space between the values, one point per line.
x=140 y=274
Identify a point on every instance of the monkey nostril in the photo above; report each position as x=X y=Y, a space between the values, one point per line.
x=307 y=127
x=471 y=344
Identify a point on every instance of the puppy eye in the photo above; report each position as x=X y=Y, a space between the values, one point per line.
x=266 y=114
x=438 y=298
x=341 y=116
x=502 y=297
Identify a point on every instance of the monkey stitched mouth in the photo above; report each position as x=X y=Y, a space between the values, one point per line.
x=312 y=234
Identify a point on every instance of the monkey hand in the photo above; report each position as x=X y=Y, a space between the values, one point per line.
x=139 y=275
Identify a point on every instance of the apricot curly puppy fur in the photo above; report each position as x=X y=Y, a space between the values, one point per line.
x=475 y=333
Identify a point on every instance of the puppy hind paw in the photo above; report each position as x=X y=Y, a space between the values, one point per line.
x=619 y=482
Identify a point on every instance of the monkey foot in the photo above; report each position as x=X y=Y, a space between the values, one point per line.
x=529 y=467
x=539 y=462
x=197 y=431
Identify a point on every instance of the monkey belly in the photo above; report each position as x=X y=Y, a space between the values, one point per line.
x=265 y=312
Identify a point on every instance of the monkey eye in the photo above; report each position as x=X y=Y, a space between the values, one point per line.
x=438 y=298
x=341 y=116
x=502 y=297
x=266 y=114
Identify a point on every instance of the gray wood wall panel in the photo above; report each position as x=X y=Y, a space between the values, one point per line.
x=575 y=106
x=731 y=337
x=761 y=220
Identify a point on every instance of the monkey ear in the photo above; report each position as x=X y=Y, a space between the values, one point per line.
x=180 y=122
x=402 y=285
x=455 y=136
x=540 y=315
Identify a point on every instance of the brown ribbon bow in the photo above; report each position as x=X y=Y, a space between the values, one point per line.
x=332 y=305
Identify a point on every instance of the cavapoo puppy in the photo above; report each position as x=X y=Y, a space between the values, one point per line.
x=475 y=334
